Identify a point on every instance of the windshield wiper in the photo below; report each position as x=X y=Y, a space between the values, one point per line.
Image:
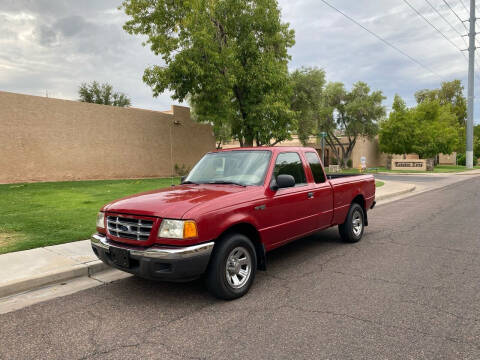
x=226 y=183
x=189 y=182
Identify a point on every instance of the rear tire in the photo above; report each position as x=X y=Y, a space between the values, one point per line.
x=232 y=267
x=351 y=230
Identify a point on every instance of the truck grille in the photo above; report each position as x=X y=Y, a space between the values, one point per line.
x=134 y=229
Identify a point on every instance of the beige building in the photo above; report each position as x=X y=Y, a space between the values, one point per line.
x=45 y=139
x=364 y=147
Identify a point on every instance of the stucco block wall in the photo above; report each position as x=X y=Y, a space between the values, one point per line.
x=370 y=149
x=446 y=159
x=44 y=139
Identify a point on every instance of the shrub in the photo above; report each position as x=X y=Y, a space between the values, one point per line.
x=334 y=161
x=462 y=160
x=349 y=163
x=181 y=170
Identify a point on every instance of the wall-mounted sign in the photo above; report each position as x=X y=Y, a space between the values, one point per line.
x=363 y=162
x=409 y=164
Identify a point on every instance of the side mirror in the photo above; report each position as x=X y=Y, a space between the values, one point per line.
x=283 y=181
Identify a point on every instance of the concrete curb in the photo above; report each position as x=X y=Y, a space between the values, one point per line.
x=466 y=172
x=410 y=188
x=470 y=172
x=412 y=173
x=62 y=274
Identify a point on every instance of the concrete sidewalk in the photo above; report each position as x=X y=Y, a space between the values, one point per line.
x=392 y=189
x=32 y=269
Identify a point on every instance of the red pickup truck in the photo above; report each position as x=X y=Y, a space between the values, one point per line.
x=233 y=207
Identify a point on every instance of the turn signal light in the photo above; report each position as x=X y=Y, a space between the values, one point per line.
x=189 y=230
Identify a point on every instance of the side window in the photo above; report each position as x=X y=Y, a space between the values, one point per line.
x=290 y=164
x=317 y=171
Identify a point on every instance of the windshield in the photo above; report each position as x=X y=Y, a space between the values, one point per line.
x=231 y=167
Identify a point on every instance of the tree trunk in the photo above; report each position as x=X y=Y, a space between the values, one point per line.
x=344 y=158
x=331 y=144
x=348 y=152
x=248 y=135
x=248 y=142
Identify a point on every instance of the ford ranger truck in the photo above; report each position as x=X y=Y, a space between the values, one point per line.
x=234 y=206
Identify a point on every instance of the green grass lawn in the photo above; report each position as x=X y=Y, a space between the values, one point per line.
x=41 y=214
x=452 y=168
x=379 y=183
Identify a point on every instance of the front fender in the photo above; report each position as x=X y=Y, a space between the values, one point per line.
x=221 y=223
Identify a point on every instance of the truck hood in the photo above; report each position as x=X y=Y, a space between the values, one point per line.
x=171 y=202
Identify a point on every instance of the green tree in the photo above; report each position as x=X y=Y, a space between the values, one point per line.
x=396 y=132
x=349 y=115
x=437 y=129
x=229 y=58
x=221 y=126
x=450 y=92
x=102 y=94
x=476 y=141
x=307 y=97
x=427 y=129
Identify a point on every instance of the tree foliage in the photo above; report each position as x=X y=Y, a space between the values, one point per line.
x=343 y=115
x=347 y=115
x=228 y=58
x=102 y=94
x=396 y=133
x=437 y=127
x=476 y=141
x=307 y=96
x=450 y=93
x=427 y=129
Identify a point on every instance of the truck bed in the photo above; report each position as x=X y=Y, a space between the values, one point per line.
x=345 y=187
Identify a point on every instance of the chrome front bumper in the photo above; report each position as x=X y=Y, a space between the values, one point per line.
x=156 y=252
x=155 y=262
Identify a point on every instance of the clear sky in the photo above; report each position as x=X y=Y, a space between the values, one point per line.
x=54 y=45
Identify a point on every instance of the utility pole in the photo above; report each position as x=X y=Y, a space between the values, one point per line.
x=471 y=69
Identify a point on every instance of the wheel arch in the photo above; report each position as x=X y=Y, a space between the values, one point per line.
x=360 y=200
x=250 y=231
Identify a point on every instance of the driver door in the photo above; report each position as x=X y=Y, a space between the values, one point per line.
x=286 y=215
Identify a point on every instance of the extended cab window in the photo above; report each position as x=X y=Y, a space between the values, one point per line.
x=290 y=164
x=316 y=166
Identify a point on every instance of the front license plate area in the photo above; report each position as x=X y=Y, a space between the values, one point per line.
x=120 y=257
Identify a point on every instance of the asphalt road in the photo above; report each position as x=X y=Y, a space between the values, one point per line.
x=409 y=290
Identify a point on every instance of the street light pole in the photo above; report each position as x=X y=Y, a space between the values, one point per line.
x=471 y=69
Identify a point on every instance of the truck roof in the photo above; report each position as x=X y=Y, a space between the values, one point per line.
x=271 y=148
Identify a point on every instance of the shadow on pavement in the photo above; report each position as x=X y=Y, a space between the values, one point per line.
x=283 y=262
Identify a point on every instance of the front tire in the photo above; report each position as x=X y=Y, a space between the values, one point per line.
x=232 y=268
x=351 y=230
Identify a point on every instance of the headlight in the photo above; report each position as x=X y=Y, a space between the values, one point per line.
x=177 y=229
x=101 y=220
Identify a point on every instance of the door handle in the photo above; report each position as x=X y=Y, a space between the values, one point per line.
x=310 y=195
